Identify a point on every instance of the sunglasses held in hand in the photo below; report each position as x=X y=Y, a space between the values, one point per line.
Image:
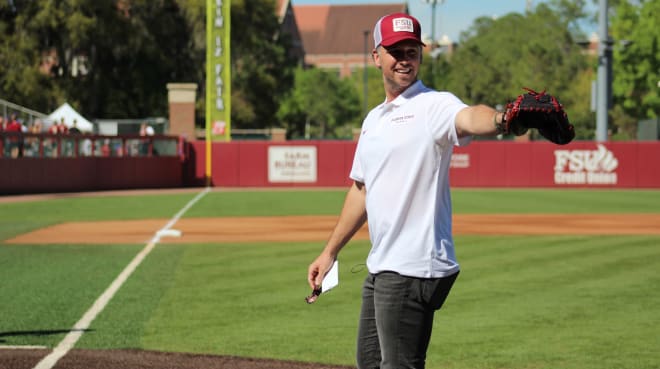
x=315 y=294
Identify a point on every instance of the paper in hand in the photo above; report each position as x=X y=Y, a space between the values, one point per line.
x=330 y=281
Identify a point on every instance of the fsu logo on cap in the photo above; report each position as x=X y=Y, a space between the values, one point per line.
x=402 y=25
x=396 y=27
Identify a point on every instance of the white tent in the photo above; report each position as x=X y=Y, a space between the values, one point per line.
x=69 y=114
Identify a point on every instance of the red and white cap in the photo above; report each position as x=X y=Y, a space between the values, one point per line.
x=397 y=27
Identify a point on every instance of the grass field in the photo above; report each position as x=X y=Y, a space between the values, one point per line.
x=574 y=302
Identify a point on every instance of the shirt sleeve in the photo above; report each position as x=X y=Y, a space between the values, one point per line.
x=356 y=170
x=442 y=119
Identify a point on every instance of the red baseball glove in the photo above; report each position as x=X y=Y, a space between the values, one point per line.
x=541 y=111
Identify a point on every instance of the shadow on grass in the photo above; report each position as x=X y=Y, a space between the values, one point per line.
x=39 y=333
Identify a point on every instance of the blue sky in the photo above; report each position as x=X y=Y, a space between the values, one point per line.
x=452 y=16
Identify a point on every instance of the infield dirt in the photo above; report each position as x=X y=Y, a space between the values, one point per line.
x=317 y=228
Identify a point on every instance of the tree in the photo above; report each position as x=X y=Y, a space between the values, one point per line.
x=20 y=53
x=375 y=92
x=114 y=58
x=320 y=105
x=637 y=60
x=262 y=68
x=109 y=59
x=498 y=57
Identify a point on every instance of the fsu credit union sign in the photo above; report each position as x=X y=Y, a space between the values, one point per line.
x=589 y=167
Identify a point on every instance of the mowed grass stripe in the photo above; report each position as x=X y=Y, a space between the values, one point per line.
x=248 y=300
x=45 y=289
x=579 y=312
x=123 y=322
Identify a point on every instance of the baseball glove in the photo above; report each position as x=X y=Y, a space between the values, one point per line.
x=541 y=111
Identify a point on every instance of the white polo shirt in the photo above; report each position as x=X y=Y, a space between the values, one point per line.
x=403 y=157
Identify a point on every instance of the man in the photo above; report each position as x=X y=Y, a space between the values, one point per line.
x=400 y=173
x=62 y=128
x=74 y=130
x=15 y=142
x=14 y=125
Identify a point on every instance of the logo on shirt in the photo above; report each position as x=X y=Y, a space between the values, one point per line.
x=402 y=119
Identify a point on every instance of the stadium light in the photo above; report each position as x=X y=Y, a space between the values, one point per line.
x=434 y=4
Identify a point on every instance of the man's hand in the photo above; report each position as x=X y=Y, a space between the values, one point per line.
x=318 y=269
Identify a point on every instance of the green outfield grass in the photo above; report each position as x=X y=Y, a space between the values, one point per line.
x=574 y=302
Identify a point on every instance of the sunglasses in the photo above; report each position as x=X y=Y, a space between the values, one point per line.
x=315 y=294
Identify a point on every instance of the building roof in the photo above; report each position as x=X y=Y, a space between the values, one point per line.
x=339 y=29
x=280 y=8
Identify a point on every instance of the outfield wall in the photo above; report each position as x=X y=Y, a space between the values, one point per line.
x=327 y=164
x=44 y=163
x=28 y=175
x=481 y=164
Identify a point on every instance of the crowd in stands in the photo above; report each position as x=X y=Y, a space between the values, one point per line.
x=42 y=144
x=13 y=124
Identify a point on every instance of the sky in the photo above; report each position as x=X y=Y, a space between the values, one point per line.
x=452 y=16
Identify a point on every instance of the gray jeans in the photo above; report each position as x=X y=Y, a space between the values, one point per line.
x=397 y=318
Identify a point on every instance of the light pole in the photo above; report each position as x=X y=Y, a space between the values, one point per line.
x=604 y=73
x=434 y=4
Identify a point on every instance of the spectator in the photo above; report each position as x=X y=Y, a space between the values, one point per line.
x=3 y=123
x=37 y=127
x=31 y=142
x=62 y=128
x=146 y=130
x=105 y=149
x=14 y=142
x=51 y=143
x=14 y=125
x=53 y=129
x=86 y=147
x=74 y=129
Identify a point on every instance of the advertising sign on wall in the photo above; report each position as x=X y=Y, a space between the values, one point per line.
x=592 y=167
x=292 y=164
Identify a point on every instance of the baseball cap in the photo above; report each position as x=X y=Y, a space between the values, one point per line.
x=396 y=27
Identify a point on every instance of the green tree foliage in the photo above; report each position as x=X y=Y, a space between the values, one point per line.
x=636 y=82
x=375 y=92
x=115 y=58
x=20 y=54
x=498 y=57
x=262 y=68
x=320 y=105
x=110 y=61
x=572 y=12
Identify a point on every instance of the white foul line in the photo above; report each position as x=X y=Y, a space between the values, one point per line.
x=81 y=326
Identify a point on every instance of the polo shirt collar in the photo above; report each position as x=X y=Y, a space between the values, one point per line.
x=409 y=93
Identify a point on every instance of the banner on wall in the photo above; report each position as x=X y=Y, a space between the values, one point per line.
x=292 y=164
x=218 y=72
